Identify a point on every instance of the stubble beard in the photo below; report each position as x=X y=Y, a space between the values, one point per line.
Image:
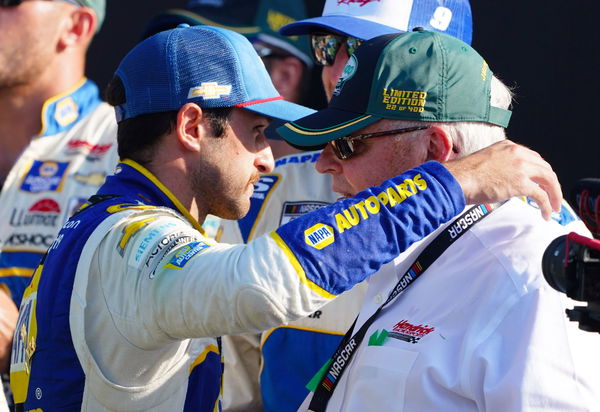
x=24 y=62
x=220 y=196
x=15 y=71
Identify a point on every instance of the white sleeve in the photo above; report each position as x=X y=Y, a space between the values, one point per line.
x=179 y=284
x=182 y=285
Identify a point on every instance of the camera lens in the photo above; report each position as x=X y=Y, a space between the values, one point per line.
x=553 y=264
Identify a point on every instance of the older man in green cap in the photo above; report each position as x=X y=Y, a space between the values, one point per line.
x=57 y=139
x=463 y=320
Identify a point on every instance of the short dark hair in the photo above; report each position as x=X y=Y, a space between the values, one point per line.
x=137 y=137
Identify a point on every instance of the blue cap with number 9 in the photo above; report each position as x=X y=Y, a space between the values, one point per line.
x=365 y=19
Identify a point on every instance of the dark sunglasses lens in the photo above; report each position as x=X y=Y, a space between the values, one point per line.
x=343 y=149
x=351 y=45
x=10 y=3
x=324 y=48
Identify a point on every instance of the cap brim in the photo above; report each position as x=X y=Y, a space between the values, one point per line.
x=271 y=129
x=350 y=26
x=279 y=109
x=173 y=17
x=314 y=131
x=281 y=43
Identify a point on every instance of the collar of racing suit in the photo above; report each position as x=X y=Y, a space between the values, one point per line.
x=61 y=112
x=131 y=178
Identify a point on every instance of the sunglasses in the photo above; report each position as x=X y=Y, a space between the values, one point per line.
x=325 y=47
x=344 y=147
x=14 y=3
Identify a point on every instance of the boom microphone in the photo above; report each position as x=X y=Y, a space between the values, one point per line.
x=586 y=198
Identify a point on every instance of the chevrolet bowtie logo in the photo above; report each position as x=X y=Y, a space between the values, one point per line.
x=211 y=90
x=93 y=179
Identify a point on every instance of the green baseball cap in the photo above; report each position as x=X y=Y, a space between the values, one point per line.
x=272 y=16
x=235 y=15
x=418 y=76
x=99 y=7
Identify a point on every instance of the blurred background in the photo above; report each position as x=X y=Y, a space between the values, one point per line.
x=546 y=50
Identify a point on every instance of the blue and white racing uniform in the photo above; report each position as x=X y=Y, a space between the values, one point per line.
x=58 y=170
x=121 y=313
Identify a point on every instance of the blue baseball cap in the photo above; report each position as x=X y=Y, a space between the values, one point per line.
x=210 y=66
x=366 y=19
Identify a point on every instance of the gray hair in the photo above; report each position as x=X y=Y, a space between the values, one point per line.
x=469 y=137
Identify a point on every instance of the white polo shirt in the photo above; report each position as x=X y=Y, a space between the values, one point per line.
x=479 y=330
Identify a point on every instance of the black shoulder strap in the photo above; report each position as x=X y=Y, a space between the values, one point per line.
x=324 y=382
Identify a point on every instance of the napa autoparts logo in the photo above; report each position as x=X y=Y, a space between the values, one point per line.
x=44 y=176
x=319 y=236
x=187 y=252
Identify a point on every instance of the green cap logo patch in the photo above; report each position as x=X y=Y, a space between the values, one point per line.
x=347 y=74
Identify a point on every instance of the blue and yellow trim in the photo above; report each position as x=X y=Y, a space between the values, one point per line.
x=20 y=272
x=148 y=175
x=83 y=98
x=202 y=357
x=267 y=334
x=299 y=269
x=263 y=205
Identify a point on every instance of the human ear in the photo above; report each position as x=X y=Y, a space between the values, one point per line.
x=440 y=145
x=190 y=127
x=79 y=28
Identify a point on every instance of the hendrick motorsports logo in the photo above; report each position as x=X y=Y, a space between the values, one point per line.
x=319 y=236
x=410 y=333
x=359 y=2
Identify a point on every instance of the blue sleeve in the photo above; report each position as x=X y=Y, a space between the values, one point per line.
x=339 y=245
